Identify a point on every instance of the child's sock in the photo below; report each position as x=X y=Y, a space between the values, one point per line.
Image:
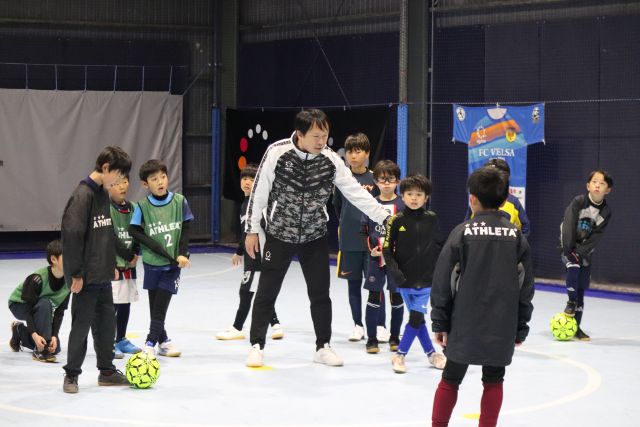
x=407 y=339
x=397 y=313
x=425 y=340
x=443 y=403
x=122 y=320
x=355 y=300
x=382 y=313
x=490 y=404
x=371 y=318
x=156 y=329
x=578 y=315
x=572 y=282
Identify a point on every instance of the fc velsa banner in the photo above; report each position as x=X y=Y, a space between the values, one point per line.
x=249 y=133
x=500 y=131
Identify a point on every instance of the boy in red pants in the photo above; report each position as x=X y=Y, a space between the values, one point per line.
x=485 y=267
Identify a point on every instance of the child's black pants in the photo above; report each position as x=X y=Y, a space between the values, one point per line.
x=91 y=308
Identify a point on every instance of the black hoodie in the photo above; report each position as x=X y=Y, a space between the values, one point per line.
x=89 y=242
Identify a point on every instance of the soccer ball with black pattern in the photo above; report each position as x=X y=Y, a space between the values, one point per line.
x=563 y=327
x=142 y=370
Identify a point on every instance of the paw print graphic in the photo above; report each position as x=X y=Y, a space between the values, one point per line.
x=254 y=134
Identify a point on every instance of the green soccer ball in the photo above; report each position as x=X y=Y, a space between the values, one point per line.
x=563 y=327
x=142 y=370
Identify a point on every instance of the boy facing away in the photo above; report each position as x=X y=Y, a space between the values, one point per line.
x=481 y=298
x=125 y=290
x=161 y=223
x=387 y=176
x=89 y=245
x=251 y=268
x=353 y=255
x=411 y=247
x=41 y=301
x=584 y=221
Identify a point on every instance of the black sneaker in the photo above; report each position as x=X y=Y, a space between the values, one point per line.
x=570 y=309
x=372 y=346
x=14 y=342
x=43 y=356
x=70 y=384
x=394 y=343
x=581 y=336
x=109 y=377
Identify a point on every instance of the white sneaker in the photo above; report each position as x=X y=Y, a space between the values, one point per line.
x=382 y=334
x=149 y=349
x=437 y=360
x=256 y=356
x=117 y=354
x=230 y=334
x=357 y=334
x=167 y=349
x=397 y=361
x=327 y=356
x=277 y=333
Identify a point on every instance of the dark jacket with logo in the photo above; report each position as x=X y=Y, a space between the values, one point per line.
x=411 y=247
x=482 y=290
x=88 y=239
x=582 y=226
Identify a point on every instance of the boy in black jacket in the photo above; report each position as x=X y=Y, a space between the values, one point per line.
x=411 y=247
x=584 y=222
x=481 y=298
x=89 y=245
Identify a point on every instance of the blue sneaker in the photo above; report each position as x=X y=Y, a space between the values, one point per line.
x=126 y=346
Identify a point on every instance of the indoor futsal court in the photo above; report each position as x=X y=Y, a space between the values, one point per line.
x=549 y=382
x=357 y=136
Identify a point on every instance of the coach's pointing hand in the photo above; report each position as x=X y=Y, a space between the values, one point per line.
x=252 y=244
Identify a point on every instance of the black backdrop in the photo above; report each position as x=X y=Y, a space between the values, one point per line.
x=250 y=125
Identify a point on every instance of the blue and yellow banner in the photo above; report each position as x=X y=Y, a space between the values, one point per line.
x=500 y=132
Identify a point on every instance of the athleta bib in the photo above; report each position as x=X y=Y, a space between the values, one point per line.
x=121 y=223
x=56 y=297
x=164 y=225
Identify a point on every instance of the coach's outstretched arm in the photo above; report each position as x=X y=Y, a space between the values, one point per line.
x=354 y=193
